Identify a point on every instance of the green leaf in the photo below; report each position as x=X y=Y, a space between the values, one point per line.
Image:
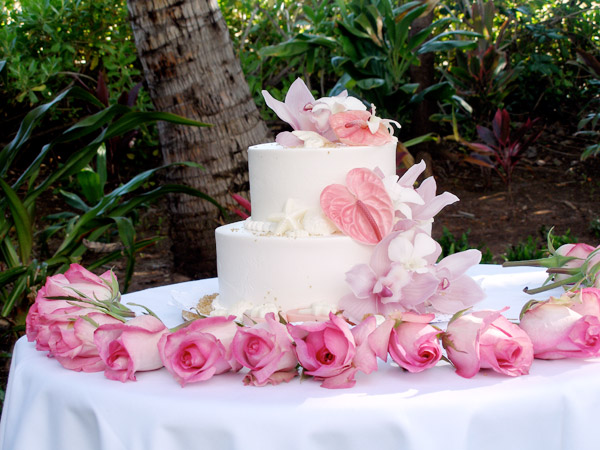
x=419 y=140
x=16 y=294
x=74 y=200
x=9 y=275
x=439 y=91
x=134 y=119
x=127 y=236
x=370 y=83
x=21 y=220
x=90 y=184
x=160 y=191
x=28 y=124
x=443 y=46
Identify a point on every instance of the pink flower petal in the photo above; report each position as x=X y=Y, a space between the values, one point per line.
x=363 y=210
x=351 y=128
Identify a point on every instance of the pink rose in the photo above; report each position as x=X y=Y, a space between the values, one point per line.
x=45 y=312
x=267 y=350
x=580 y=251
x=127 y=348
x=199 y=350
x=557 y=331
x=487 y=340
x=325 y=350
x=72 y=343
x=332 y=353
x=414 y=344
x=586 y=302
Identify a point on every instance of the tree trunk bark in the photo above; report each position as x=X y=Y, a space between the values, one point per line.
x=191 y=70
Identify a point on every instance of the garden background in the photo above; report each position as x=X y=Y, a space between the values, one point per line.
x=502 y=99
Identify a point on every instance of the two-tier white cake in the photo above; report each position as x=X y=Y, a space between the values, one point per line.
x=288 y=254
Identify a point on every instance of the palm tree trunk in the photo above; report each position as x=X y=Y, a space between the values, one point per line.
x=191 y=70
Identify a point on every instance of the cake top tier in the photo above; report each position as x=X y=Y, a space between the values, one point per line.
x=278 y=175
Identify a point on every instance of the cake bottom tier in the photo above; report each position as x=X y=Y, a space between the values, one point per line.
x=290 y=272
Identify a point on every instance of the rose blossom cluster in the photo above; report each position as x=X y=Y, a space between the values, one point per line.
x=328 y=120
x=78 y=320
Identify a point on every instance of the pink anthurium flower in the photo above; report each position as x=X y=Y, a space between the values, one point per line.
x=360 y=128
x=363 y=210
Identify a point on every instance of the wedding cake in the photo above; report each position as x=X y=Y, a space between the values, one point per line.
x=326 y=201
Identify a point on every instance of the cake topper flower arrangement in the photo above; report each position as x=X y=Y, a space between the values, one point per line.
x=328 y=120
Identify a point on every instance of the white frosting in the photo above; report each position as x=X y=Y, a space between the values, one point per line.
x=290 y=272
x=319 y=309
x=278 y=174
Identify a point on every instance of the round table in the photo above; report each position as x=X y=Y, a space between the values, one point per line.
x=554 y=407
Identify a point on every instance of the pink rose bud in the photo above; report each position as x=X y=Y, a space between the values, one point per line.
x=267 y=350
x=127 y=348
x=557 y=331
x=45 y=312
x=200 y=350
x=580 y=251
x=586 y=302
x=414 y=344
x=487 y=340
x=72 y=343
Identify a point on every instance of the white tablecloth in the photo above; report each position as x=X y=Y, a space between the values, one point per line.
x=556 y=406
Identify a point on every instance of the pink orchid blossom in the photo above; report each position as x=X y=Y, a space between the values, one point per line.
x=362 y=209
x=307 y=115
x=422 y=214
x=398 y=277
x=297 y=106
x=456 y=290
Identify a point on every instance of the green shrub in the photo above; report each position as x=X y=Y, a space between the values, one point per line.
x=47 y=41
x=451 y=244
x=94 y=211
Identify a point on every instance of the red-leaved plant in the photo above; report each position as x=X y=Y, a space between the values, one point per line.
x=502 y=149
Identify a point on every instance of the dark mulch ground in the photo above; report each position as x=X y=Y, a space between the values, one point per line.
x=551 y=188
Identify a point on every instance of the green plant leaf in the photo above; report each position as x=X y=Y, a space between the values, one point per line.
x=21 y=220
x=370 y=83
x=28 y=124
x=132 y=120
x=91 y=186
x=9 y=275
x=444 y=46
x=74 y=200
